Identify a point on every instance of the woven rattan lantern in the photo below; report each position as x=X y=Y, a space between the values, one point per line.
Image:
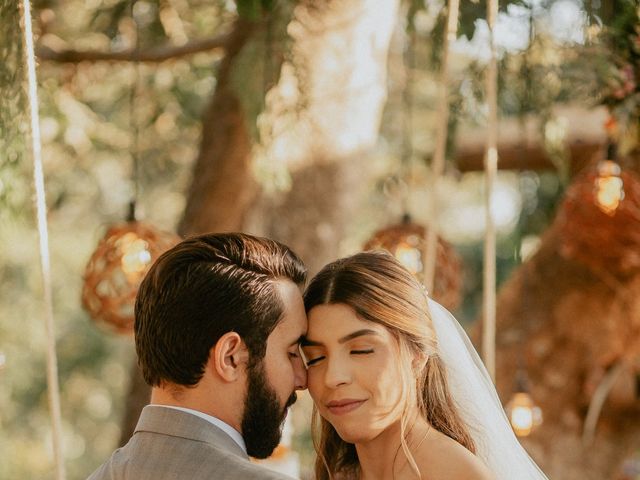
x=599 y=220
x=116 y=268
x=406 y=241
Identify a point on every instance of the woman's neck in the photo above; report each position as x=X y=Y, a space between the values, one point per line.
x=383 y=457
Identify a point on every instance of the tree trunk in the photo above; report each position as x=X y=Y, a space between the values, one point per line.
x=340 y=50
x=222 y=186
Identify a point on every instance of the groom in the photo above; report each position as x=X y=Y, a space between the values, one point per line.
x=218 y=319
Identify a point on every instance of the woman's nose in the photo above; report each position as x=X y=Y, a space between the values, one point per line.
x=337 y=373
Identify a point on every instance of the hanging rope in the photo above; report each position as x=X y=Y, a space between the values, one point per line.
x=133 y=120
x=437 y=169
x=38 y=178
x=406 y=159
x=491 y=168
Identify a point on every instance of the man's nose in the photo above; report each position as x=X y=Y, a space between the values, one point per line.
x=300 y=373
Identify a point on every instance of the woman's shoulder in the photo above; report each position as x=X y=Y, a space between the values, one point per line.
x=442 y=458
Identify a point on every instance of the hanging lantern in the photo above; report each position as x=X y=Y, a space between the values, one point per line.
x=406 y=242
x=609 y=187
x=599 y=220
x=522 y=412
x=117 y=267
x=125 y=254
x=524 y=415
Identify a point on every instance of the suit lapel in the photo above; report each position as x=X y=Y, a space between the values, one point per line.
x=168 y=421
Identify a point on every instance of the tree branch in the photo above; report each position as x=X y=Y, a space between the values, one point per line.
x=155 y=54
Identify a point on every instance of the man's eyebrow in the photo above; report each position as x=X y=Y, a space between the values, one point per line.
x=297 y=341
x=307 y=342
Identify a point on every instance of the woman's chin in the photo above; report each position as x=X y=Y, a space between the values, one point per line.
x=354 y=438
x=356 y=434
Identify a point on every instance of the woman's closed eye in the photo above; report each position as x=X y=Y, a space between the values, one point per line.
x=363 y=351
x=312 y=361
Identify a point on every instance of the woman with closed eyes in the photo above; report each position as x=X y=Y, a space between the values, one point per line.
x=398 y=392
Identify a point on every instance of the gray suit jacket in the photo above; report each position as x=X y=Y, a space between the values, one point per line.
x=169 y=445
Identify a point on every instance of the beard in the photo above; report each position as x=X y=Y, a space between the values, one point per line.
x=263 y=415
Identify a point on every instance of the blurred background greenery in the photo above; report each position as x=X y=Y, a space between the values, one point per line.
x=88 y=134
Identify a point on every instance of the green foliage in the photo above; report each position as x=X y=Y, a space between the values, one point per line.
x=619 y=65
x=13 y=113
x=92 y=364
x=250 y=9
x=258 y=65
x=254 y=9
x=469 y=14
x=87 y=133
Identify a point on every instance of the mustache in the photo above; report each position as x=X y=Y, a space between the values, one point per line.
x=291 y=400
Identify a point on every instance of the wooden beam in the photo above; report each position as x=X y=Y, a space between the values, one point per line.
x=528 y=157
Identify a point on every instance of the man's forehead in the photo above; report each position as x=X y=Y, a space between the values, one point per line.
x=293 y=324
x=289 y=333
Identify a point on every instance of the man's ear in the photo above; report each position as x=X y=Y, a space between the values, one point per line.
x=229 y=356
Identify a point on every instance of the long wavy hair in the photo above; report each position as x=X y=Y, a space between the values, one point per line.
x=381 y=290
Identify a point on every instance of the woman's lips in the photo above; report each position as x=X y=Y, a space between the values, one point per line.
x=340 y=407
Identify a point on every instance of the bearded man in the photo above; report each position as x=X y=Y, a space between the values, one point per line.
x=218 y=321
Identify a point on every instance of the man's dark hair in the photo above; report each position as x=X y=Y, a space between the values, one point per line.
x=202 y=288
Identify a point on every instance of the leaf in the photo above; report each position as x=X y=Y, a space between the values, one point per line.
x=249 y=9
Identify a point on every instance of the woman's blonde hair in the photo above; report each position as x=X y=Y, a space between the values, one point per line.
x=381 y=290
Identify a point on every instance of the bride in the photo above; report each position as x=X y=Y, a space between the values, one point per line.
x=399 y=391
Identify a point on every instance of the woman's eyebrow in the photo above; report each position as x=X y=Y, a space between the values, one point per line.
x=356 y=334
x=307 y=342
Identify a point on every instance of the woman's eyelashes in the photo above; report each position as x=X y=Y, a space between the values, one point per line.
x=313 y=361
x=362 y=352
